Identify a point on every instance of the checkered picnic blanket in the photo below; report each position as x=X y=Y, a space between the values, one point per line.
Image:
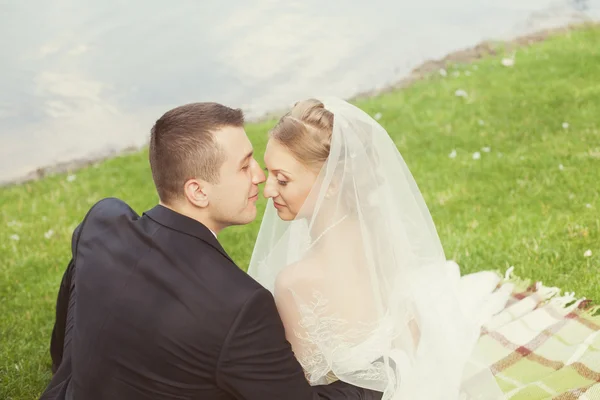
x=544 y=345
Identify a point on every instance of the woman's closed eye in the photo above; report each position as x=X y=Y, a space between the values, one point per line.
x=279 y=181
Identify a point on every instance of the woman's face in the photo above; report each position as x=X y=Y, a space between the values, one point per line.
x=289 y=182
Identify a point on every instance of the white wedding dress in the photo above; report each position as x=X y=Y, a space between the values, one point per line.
x=362 y=282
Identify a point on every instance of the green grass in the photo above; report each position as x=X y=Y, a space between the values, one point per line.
x=514 y=206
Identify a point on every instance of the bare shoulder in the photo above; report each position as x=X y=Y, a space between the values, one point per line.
x=298 y=276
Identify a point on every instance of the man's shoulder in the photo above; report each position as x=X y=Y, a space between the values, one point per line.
x=110 y=207
x=102 y=211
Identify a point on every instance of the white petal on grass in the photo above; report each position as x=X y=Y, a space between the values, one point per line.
x=71 y=178
x=508 y=62
x=461 y=93
x=14 y=237
x=476 y=155
x=49 y=234
x=486 y=149
x=443 y=72
x=378 y=116
x=588 y=253
x=452 y=154
x=561 y=167
x=565 y=125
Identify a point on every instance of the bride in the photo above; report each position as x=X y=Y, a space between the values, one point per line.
x=350 y=252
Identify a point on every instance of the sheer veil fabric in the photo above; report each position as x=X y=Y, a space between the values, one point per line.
x=378 y=304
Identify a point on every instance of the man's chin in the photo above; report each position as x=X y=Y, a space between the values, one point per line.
x=247 y=217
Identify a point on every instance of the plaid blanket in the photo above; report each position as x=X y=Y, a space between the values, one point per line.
x=544 y=345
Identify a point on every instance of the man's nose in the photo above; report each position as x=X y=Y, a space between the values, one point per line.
x=258 y=175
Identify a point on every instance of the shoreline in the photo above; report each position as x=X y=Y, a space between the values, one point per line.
x=427 y=68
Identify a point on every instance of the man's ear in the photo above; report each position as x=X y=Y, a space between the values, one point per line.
x=196 y=192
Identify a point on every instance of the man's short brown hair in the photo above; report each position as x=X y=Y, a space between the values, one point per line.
x=183 y=146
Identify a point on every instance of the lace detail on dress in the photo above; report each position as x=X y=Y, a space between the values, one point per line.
x=332 y=348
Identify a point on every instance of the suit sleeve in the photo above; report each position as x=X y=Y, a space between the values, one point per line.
x=59 y=331
x=257 y=362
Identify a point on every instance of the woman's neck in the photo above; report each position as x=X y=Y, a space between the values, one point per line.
x=337 y=231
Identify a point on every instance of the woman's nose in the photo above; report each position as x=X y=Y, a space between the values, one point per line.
x=269 y=190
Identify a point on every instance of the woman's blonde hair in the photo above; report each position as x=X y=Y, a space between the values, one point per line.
x=306 y=132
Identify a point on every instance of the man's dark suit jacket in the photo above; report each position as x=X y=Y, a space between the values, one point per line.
x=156 y=309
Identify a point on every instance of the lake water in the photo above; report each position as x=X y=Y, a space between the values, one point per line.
x=81 y=78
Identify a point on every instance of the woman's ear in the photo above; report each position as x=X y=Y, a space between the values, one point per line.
x=196 y=192
x=332 y=190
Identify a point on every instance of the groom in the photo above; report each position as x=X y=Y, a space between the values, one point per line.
x=152 y=307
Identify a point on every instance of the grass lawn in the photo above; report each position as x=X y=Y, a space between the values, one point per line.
x=510 y=172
